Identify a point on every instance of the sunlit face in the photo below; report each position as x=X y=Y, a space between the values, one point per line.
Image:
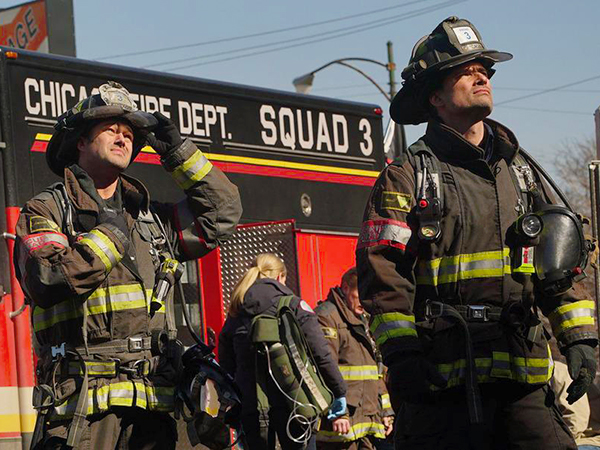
x=108 y=147
x=352 y=299
x=466 y=90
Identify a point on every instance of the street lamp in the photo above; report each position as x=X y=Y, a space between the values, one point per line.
x=394 y=142
x=304 y=83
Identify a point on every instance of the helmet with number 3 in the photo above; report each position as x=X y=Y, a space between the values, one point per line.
x=452 y=43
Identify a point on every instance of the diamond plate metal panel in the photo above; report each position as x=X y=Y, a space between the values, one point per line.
x=249 y=241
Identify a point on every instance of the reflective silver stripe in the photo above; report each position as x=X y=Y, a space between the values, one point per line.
x=192 y=170
x=579 y=313
x=35 y=241
x=101 y=246
x=384 y=232
x=462 y=267
x=353 y=373
x=101 y=301
x=390 y=325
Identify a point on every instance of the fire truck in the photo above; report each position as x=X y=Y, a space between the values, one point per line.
x=304 y=167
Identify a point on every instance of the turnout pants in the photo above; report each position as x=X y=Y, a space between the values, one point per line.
x=117 y=429
x=516 y=416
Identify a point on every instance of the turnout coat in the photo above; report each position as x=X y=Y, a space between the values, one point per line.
x=471 y=264
x=354 y=350
x=95 y=289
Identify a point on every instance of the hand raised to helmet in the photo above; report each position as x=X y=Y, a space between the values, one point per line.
x=165 y=136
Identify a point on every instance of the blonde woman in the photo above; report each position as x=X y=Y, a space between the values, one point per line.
x=259 y=292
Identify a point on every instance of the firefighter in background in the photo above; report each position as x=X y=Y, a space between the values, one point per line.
x=444 y=269
x=259 y=292
x=345 y=326
x=88 y=254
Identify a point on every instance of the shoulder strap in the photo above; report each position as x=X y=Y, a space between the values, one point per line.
x=284 y=302
x=65 y=207
x=522 y=176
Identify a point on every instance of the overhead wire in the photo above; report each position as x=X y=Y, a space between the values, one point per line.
x=546 y=91
x=262 y=33
x=287 y=41
x=353 y=31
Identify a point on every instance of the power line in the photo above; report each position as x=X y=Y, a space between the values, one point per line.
x=545 y=91
x=354 y=31
x=271 y=44
x=263 y=33
x=557 y=111
x=585 y=91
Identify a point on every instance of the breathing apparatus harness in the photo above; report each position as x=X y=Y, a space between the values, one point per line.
x=284 y=359
x=554 y=231
x=159 y=342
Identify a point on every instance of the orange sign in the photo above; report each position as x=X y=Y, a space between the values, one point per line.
x=24 y=27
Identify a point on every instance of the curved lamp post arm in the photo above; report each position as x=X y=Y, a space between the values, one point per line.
x=304 y=82
x=385 y=94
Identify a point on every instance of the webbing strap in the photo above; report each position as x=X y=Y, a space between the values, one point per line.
x=289 y=320
x=79 y=422
x=129 y=345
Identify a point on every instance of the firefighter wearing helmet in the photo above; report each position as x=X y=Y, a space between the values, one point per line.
x=90 y=255
x=461 y=246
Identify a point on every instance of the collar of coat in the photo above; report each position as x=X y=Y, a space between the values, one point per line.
x=449 y=145
x=336 y=296
x=84 y=196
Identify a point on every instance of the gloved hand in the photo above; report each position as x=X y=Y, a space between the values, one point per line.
x=582 y=365
x=165 y=136
x=338 y=408
x=410 y=376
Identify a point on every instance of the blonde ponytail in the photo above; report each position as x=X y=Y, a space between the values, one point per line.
x=266 y=265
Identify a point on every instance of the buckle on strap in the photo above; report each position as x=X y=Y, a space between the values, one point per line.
x=135 y=344
x=433 y=310
x=478 y=313
x=138 y=368
x=58 y=350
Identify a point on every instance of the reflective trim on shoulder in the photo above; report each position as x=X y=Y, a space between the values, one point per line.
x=34 y=242
x=192 y=170
x=388 y=232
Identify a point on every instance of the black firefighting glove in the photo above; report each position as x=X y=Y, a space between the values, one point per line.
x=582 y=365
x=410 y=377
x=165 y=136
x=115 y=218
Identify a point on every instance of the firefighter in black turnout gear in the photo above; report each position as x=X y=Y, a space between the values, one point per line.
x=462 y=245
x=97 y=260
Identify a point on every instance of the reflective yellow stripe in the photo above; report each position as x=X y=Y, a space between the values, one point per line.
x=353 y=373
x=192 y=170
x=565 y=317
x=126 y=393
x=450 y=269
x=356 y=432
x=385 y=401
x=103 y=247
x=391 y=325
x=101 y=301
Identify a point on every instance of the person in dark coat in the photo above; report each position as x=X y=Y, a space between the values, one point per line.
x=258 y=292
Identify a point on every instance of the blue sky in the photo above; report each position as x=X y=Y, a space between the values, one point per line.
x=554 y=43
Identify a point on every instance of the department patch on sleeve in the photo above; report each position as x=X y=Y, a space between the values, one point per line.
x=396 y=201
x=38 y=224
x=306 y=307
x=330 y=333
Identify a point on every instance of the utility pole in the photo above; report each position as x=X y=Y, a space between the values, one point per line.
x=391 y=68
x=597 y=120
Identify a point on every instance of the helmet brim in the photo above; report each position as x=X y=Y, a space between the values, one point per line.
x=58 y=157
x=407 y=108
